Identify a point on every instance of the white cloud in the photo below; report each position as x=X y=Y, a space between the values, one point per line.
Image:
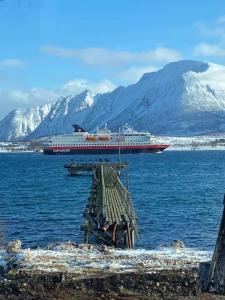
x=216 y=29
x=79 y=85
x=215 y=34
x=13 y=63
x=24 y=98
x=209 y=50
x=103 y=86
x=221 y=20
x=101 y=57
x=18 y=98
x=133 y=74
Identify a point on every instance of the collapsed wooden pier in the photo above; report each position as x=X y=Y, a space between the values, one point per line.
x=109 y=217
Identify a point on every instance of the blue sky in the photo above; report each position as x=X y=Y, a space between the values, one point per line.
x=54 y=47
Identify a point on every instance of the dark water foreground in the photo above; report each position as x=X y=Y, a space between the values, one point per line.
x=177 y=195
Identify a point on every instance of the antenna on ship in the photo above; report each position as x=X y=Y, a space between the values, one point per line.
x=119 y=155
x=120 y=163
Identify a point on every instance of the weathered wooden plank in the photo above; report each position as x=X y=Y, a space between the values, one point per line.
x=109 y=188
x=119 y=207
x=116 y=215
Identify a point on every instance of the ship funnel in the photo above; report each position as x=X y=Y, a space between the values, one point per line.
x=77 y=128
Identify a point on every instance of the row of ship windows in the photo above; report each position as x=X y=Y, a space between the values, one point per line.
x=100 y=142
x=95 y=144
x=110 y=141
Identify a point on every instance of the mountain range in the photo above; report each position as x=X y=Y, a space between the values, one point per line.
x=184 y=98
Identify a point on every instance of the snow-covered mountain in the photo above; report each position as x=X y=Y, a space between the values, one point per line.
x=184 y=98
x=19 y=123
x=65 y=112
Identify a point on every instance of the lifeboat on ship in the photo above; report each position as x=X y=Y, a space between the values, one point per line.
x=91 y=138
x=104 y=138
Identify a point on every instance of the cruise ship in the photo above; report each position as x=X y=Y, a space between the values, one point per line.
x=103 y=141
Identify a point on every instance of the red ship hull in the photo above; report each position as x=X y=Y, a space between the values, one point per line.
x=134 y=149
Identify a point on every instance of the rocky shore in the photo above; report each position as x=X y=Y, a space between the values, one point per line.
x=179 y=284
x=70 y=271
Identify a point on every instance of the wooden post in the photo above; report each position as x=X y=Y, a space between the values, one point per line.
x=212 y=278
x=86 y=239
x=85 y=229
x=128 y=236
x=114 y=234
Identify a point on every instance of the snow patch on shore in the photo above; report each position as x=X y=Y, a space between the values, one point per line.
x=76 y=259
x=193 y=143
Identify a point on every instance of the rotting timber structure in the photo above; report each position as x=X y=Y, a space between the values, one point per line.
x=109 y=217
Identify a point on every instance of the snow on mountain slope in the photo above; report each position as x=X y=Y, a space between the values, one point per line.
x=21 y=122
x=66 y=111
x=109 y=106
x=184 y=98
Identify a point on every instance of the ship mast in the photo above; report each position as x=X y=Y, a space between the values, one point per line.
x=119 y=148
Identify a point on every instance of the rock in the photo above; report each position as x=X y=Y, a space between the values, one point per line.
x=141 y=264
x=104 y=249
x=83 y=289
x=85 y=246
x=177 y=245
x=13 y=247
x=120 y=288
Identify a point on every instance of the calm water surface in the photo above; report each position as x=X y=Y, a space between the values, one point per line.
x=177 y=195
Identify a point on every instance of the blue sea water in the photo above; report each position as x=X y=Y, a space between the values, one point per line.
x=177 y=195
